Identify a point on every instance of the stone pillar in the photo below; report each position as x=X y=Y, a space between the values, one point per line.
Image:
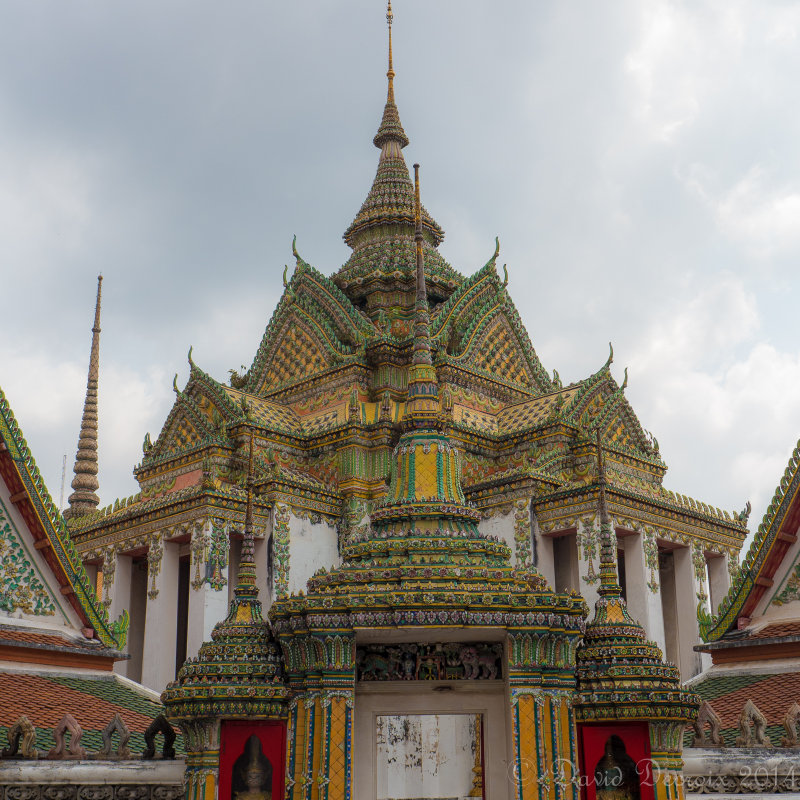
x=642 y=584
x=588 y=540
x=543 y=731
x=690 y=590
x=336 y=762
x=208 y=593
x=161 y=621
x=719 y=579
x=201 y=737
x=262 y=582
x=666 y=745
x=545 y=751
x=117 y=594
x=544 y=559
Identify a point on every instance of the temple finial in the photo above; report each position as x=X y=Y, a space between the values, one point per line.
x=609 y=584
x=246 y=584
x=390 y=71
x=84 y=499
x=423 y=389
x=390 y=138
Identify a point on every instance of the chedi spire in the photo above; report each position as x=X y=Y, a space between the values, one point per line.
x=84 y=499
x=382 y=233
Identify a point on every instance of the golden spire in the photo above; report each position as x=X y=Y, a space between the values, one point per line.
x=390 y=133
x=609 y=582
x=84 y=499
x=246 y=584
x=423 y=389
x=390 y=72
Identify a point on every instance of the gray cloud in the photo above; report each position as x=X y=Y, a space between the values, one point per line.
x=638 y=161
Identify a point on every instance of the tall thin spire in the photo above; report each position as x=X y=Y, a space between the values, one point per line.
x=423 y=388
x=390 y=71
x=84 y=499
x=390 y=138
x=609 y=583
x=246 y=583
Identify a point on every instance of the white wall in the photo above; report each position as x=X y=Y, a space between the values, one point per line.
x=311 y=546
x=430 y=755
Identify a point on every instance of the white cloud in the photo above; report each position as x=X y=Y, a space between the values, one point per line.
x=703 y=378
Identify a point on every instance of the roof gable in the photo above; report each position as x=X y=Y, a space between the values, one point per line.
x=771 y=567
x=38 y=528
x=315 y=327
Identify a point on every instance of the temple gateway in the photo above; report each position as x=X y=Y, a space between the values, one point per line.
x=364 y=567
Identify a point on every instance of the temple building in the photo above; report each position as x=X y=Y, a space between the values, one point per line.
x=327 y=394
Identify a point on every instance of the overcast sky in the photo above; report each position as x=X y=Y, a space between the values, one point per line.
x=639 y=160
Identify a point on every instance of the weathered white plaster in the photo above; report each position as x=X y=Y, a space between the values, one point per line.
x=427 y=755
x=120 y=594
x=161 y=623
x=644 y=604
x=262 y=579
x=311 y=546
x=719 y=578
x=587 y=542
x=207 y=606
x=501 y=526
x=687 y=591
x=93 y=772
x=403 y=698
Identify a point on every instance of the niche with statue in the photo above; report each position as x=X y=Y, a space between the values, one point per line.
x=251 y=764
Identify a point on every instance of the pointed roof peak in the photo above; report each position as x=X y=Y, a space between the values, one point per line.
x=84 y=499
x=391 y=129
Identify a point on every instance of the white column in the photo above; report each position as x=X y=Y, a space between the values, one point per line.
x=588 y=561
x=719 y=579
x=690 y=590
x=234 y=556
x=161 y=621
x=208 y=583
x=642 y=585
x=117 y=595
x=544 y=558
x=260 y=555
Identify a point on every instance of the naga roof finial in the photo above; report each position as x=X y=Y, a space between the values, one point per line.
x=84 y=499
x=610 y=359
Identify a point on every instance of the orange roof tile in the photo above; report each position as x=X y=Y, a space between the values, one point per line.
x=45 y=701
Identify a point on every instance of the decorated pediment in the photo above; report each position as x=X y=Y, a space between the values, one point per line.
x=494 y=345
x=186 y=427
x=479 y=327
x=41 y=574
x=314 y=328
